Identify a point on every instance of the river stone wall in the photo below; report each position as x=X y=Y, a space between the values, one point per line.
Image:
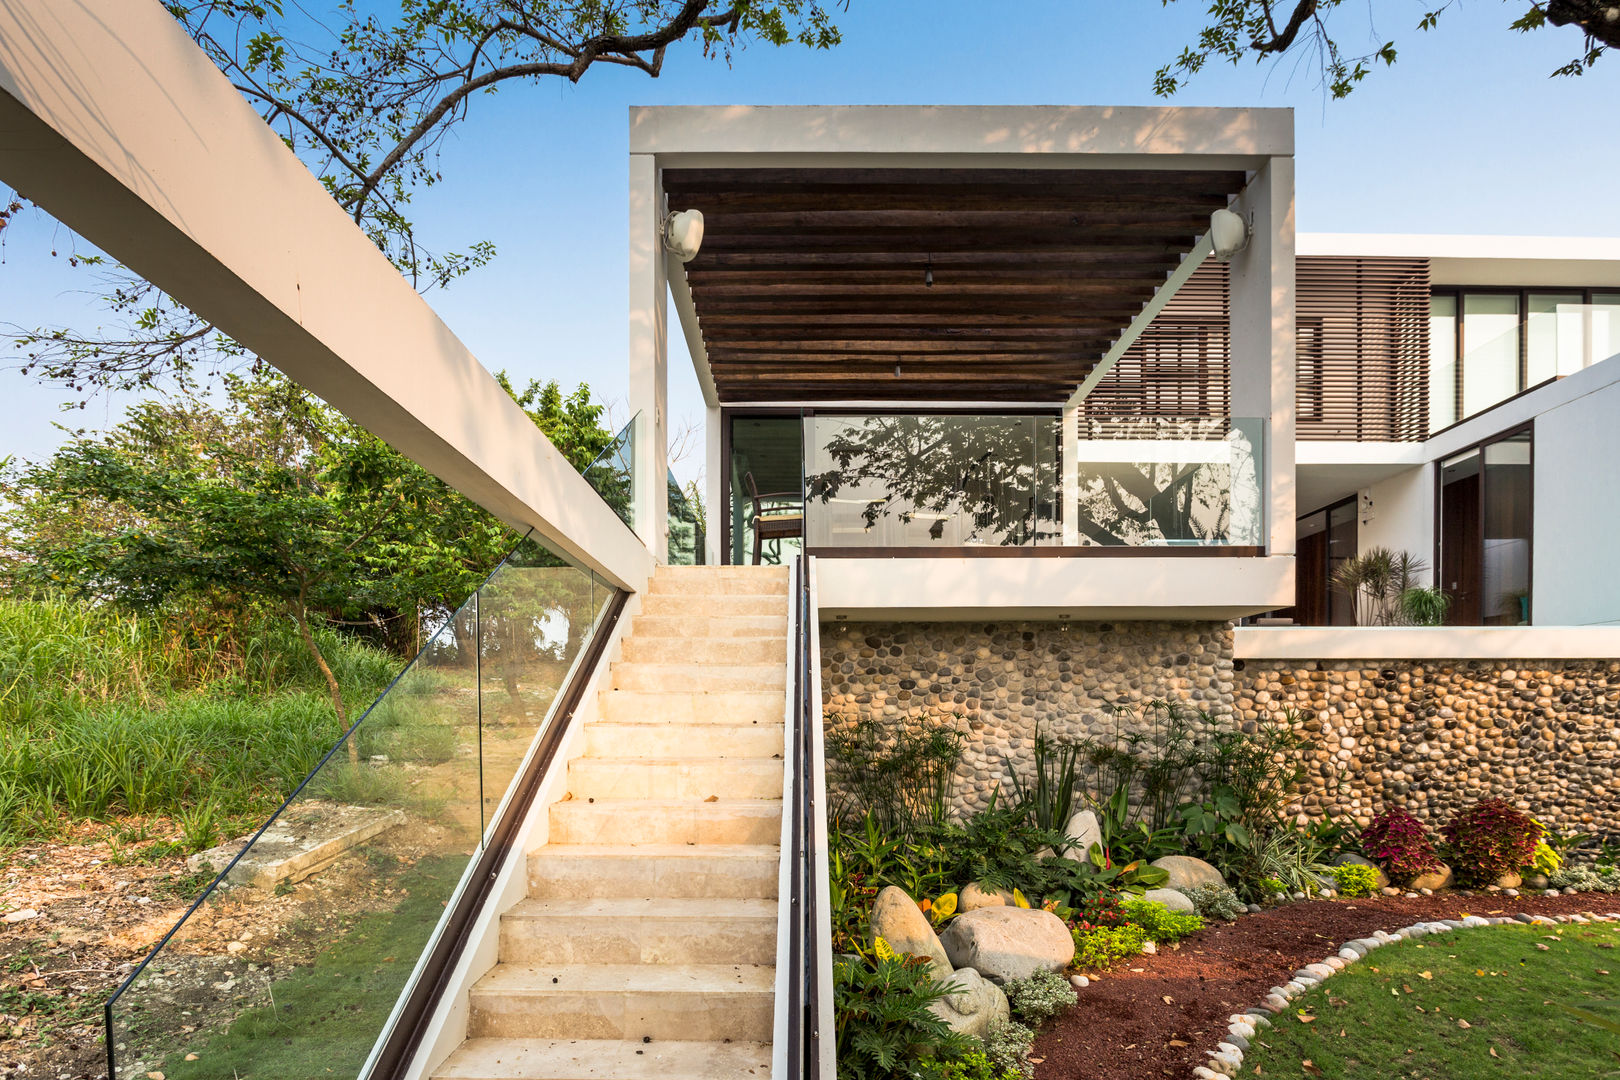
x=997 y=682
x=1430 y=737
x=1434 y=736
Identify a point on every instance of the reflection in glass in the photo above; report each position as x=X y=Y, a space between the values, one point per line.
x=1505 y=573
x=1342 y=544
x=613 y=473
x=1442 y=362
x=686 y=527
x=1171 y=482
x=940 y=480
x=291 y=964
x=1490 y=350
x=1554 y=336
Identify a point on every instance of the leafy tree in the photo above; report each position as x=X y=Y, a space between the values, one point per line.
x=271 y=500
x=367 y=99
x=1271 y=29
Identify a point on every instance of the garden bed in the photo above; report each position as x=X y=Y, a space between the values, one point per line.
x=1158 y=1015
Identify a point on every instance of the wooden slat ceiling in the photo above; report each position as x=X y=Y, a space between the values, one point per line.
x=810 y=282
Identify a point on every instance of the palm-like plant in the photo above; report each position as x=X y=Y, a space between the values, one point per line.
x=1384 y=590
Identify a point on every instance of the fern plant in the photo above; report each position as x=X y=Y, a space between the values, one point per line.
x=883 y=1023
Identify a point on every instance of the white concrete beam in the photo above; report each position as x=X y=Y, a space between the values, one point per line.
x=1045 y=136
x=114 y=122
x=1150 y=311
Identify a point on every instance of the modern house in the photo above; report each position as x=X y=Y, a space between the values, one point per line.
x=1026 y=412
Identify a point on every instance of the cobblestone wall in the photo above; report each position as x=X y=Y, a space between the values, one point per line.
x=997 y=682
x=1434 y=736
x=1430 y=737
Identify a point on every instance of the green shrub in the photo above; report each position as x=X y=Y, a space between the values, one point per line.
x=973 y=1065
x=1215 y=901
x=1040 y=997
x=1398 y=842
x=1489 y=839
x=1000 y=848
x=1272 y=886
x=883 y=1025
x=1103 y=946
x=1355 y=880
x=1006 y=1044
x=897 y=773
x=1160 y=923
x=1586 y=878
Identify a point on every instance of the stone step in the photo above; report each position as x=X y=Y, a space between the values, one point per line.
x=691 y=1003
x=705 y=651
x=710 y=626
x=729 y=707
x=720 y=581
x=717 y=606
x=666 y=821
x=711 y=872
x=675 y=778
x=696 y=679
x=655 y=740
x=657 y=931
x=604 y=1059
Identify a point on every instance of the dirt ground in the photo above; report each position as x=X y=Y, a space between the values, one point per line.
x=1155 y=1016
x=77 y=916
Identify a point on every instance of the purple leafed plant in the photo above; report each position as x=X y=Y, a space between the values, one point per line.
x=1398 y=842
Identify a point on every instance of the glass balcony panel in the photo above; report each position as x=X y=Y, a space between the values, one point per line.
x=1442 y=362
x=687 y=527
x=937 y=480
x=1490 y=350
x=290 y=964
x=1146 y=483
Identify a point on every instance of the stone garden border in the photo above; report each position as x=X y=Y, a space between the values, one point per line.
x=1227 y=1058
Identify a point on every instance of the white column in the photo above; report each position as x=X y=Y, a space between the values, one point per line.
x=649 y=354
x=714 y=469
x=1069 y=480
x=1262 y=325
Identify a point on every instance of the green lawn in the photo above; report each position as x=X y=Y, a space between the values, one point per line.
x=1473 y=1003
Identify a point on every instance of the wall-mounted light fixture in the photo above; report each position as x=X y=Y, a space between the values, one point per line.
x=928 y=274
x=1228 y=234
x=683 y=234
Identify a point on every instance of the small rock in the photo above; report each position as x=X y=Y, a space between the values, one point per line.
x=1080 y=982
x=1084 y=829
x=1431 y=880
x=20 y=916
x=1003 y=943
x=1150 y=948
x=1254 y=909
x=974 y=1005
x=234 y=947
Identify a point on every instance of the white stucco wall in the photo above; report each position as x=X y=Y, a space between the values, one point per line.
x=1402 y=515
x=1576 y=562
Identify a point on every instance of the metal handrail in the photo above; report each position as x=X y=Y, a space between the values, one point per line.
x=804 y=1019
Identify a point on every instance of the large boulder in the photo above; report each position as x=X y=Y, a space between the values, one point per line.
x=973 y=1005
x=1084 y=829
x=1187 y=872
x=1433 y=879
x=976 y=896
x=1173 y=899
x=897 y=920
x=1005 y=943
x=1350 y=858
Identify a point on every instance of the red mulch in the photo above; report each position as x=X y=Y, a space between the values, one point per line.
x=1122 y=1027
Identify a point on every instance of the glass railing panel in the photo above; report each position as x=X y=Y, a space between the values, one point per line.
x=1144 y=483
x=613 y=473
x=535 y=615
x=686 y=527
x=291 y=963
x=939 y=480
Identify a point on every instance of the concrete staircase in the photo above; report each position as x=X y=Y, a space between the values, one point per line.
x=646 y=947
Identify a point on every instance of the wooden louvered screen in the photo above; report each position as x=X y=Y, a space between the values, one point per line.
x=1179 y=367
x=1362 y=345
x=1363 y=349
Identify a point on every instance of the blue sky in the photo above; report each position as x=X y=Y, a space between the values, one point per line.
x=1465 y=134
